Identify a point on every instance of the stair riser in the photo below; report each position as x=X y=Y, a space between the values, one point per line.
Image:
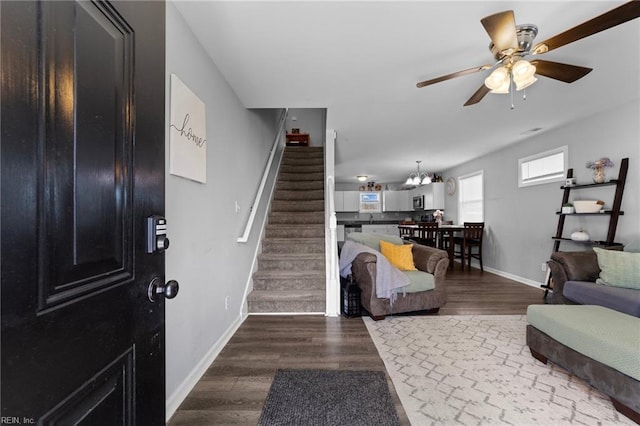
x=283 y=231
x=296 y=177
x=299 y=154
x=297 y=206
x=258 y=306
x=292 y=248
x=291 y=264
x=302 y=283
x=302 y=162
x=298 y=168
x=299 y=195
x=300 y=185
x=296 y=218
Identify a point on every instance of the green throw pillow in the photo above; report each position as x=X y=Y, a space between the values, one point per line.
x=618 y=268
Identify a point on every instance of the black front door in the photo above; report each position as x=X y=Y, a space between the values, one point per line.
x=82 y=145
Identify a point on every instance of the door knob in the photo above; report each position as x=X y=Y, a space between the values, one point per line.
x=168 y=290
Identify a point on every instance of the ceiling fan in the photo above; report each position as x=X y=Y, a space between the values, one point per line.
x=511 y=43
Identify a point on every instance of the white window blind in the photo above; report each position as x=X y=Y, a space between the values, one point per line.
x=545 y=167
x=471 y=198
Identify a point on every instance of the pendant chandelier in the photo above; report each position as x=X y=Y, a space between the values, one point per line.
x=417 y=178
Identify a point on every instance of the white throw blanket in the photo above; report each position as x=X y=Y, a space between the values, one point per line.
x=389 y=279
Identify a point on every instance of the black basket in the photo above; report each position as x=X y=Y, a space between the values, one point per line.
x=351 y=298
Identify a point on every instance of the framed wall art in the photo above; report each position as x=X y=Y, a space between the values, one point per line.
x=187 y=133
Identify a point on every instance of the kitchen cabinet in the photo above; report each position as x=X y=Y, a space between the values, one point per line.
x=434 y=196
x=346 y=201
x=351 y=201
x=396 y=201
x=338 y=200
x=340 y=233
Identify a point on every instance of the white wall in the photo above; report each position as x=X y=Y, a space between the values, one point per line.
x=521 y=221
x=203 y=226
x=308 y=120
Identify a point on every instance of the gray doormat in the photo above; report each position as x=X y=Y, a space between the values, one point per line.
x=329 y=397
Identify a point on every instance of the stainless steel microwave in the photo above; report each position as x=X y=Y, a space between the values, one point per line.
x=418 y=202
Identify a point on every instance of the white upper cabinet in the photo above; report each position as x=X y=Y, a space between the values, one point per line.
x=396 y=201
x=346 y=201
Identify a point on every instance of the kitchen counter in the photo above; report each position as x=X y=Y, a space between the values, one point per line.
x=368 y=222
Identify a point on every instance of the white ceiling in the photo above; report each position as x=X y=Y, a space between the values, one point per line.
x=362 y=59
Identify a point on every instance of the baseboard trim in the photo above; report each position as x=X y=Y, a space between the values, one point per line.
x=187 y=385
x=504 y=274
x=513 y=277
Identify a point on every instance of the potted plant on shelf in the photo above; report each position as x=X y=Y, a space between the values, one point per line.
x=567 y=208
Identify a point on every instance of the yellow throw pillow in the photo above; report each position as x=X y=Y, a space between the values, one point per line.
x=399 y=256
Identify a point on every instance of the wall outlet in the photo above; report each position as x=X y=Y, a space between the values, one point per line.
x=543 y=267
x=226 y=303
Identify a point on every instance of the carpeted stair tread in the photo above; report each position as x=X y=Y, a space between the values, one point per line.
x=297 y=205
x=296 y=217
x=299 y=195
x=300 y=185
x=294 y=230
x=293 y=245
x=299 y=177
x=264 y=301
x=289 y=280
x=302 y=168
x=292 y=262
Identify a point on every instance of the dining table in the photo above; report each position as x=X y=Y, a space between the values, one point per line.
x=448 y=232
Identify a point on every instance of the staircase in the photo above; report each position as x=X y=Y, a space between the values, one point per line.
x=291 y=268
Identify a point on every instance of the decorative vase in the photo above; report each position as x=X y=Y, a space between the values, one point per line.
x=580 y=236
x=598 y=175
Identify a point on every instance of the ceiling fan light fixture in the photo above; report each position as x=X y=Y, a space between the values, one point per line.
x=503 y=88
x=526 y=83
x=522 y=69
x=497 y=78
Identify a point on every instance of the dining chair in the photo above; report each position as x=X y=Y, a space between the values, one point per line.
x=443 y=236
x=471 y=238
x=427 y=234
x=407 y=232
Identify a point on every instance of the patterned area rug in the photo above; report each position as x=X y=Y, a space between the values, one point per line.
x=329 y=397
x=476 y=370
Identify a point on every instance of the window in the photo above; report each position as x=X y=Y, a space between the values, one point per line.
x=470 y=198
x=545 y=167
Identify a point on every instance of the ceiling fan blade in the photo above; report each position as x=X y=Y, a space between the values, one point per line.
x=477 y=97
x=617 y=16
x=563 y=72
x=501 y=27
x=453 y=75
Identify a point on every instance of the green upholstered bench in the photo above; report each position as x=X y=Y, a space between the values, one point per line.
x=597 y=344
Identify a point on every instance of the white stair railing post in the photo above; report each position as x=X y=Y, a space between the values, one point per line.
x=331 y=248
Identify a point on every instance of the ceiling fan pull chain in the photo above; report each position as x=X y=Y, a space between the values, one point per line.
x=511 y=90
x=524 y=94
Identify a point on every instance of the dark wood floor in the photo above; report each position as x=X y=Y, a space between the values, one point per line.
x=236 y=385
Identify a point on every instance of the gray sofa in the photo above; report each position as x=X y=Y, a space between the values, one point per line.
x=590 y=329
x=574 y=276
